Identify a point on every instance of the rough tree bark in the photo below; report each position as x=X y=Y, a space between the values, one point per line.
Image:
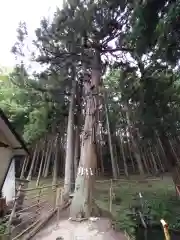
x=83 y=205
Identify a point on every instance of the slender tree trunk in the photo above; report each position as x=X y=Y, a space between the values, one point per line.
x=26 y=166
x=47 y=147
x=48 y=159
x=35 y=168
x=78 y=124
x=76 y=150
x=101 y=159
x=173 y=164
x=55 y=167
x=41 y=165
x=114 y=146
x=123 y=156
x=135 y=148
x=145 y=161
x=23 y=167
x=173 y=151
x=160 y=162
x=32 y=163
x=130 y=155
x=153 y=159
x=172 y=160
x=82 y=204
x=113 y=162
x=70 y=144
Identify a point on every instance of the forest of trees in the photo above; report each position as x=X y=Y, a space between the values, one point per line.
x=108 y=99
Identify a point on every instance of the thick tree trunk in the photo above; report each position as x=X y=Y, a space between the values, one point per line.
x=70 y=144
x=113 y=162
x=82 y=204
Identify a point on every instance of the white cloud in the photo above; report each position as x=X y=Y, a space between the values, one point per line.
x=12 y=12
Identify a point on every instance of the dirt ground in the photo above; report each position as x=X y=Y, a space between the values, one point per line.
x=97 y=229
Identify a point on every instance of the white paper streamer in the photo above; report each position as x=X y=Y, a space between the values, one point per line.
x=87 y=172
x=91 y=172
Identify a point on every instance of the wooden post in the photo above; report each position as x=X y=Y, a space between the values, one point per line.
x=14 y=207
x=110 y=196
x=165 y=228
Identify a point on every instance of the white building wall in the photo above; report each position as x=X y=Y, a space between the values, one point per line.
x=8 y=189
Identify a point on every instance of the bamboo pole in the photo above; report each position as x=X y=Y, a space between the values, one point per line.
x=165 y=228
x=39 y=226
x=26 y=230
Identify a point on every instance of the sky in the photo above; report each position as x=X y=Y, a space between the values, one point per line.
x=14 y=11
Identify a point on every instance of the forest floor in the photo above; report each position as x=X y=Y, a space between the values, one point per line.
x=159 y=193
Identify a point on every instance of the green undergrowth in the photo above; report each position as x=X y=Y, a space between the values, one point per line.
x=3 y=228
x=158 y=195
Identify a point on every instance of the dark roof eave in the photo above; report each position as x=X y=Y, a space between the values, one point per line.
x=17 y=136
